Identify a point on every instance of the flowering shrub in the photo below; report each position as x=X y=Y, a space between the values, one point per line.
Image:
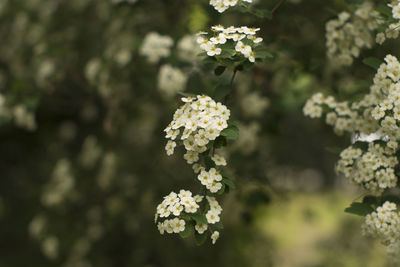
x=231 y=42
x=93 y=81
x=373 y=121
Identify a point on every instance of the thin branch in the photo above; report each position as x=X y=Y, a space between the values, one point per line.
x=233 y=76
x=277 y=6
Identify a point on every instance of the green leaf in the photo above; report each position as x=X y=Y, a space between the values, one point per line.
x=232 y=132
x=222 y=190
x=234 y=123
x=209 y=162
x=199 y=218
x=228 y=53
x=196 y=83
x=220 y=141
x=372 y=62
x=202 y=54
x=209 y=61
x=243 y=7
x=218 y=225
x=361 y=209
x=200 y=238
x=261 y=52
x=188 y=230
x=226 y=61
x=219 y=70
x=221 y=91
x=229 y=183
x=370 y=200
x=186 y=94
x=247 y=41
x=263 y=13
x=334 y=149
x=391 y=198
x=228 y=176
x=385 y=10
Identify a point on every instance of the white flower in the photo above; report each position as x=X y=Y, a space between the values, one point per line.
x=396 y=12
x=212 y=217
x=179 y=225
x=219 y=160
x=242 y=48
x=191 y=157
x=220 y=39
x=170 y=147
x=214 y=186
x=200 y=227
x=213 y=50
x=214 y=236
x=222 y=5
x=380 y=38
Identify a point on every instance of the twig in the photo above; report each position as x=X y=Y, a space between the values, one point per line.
x=233 y=76
x=277 y=6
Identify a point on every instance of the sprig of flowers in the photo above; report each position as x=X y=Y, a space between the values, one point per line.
x=183 y=213
x=231 y=41
x=202 y=120
x=202 y=125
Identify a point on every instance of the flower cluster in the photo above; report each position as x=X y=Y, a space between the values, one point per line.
x=156 y=46
x=181 y=206
x=231 y=41
x=215 y=210
x=175 y=204
x=393 y=28
x=378 y=112
x=222 y=5
x=374 y=169
x=171 y=80
x=384 y=224
x=202 y=120
x=349 y=33
x=211 y=180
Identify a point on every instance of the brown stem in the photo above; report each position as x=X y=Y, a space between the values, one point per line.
x=277 y=6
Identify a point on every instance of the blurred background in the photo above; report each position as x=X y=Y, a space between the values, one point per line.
x=82 y=112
